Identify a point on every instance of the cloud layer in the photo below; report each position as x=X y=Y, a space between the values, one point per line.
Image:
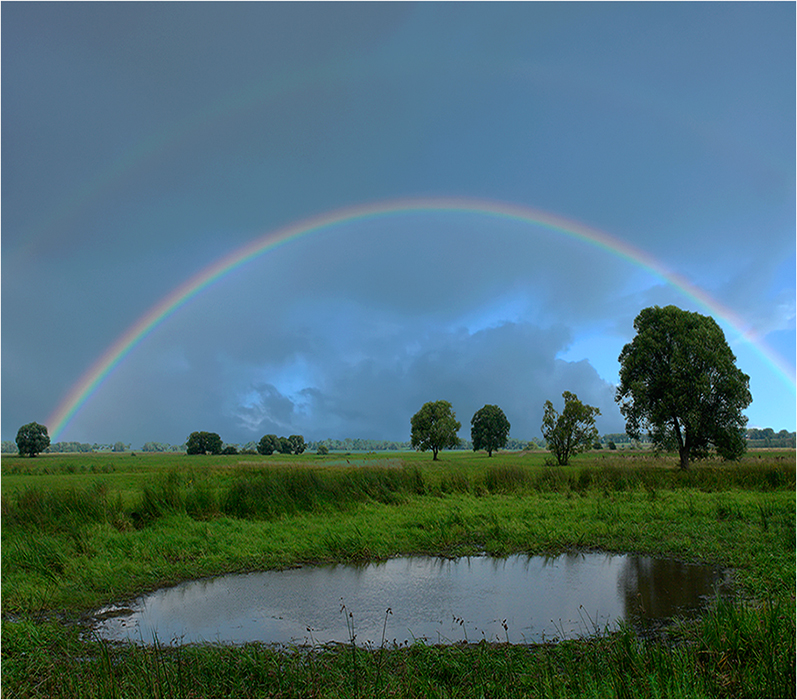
x=142 y=142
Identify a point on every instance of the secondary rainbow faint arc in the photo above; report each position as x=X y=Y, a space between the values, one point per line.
x=113 y=356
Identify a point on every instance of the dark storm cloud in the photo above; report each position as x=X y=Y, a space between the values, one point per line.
x=143 y=141
x=513 y=365
x=370 y=393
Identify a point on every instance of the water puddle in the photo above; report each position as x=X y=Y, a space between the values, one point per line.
x=519 y=599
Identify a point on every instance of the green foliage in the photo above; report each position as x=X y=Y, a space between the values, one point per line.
x=32 y=438
x=269 y=444
x=768 y=438
x=202 y=443
x=435 y=427
x=360 y=445
x=571 y=432
x=297 y=444
x=83 y=447
x=679 y=382
x=489 y=429
x=156 y=447
x=322 y=449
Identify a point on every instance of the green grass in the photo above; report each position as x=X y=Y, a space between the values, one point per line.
x=73 y=540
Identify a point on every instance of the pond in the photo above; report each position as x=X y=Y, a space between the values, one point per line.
x=520 y=599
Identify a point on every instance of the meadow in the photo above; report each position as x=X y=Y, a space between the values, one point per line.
x=80 y=531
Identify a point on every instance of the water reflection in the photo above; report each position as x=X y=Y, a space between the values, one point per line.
x=519 y=599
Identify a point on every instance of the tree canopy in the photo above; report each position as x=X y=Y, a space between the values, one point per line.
x=434 y=427
x=679 y=382
x=200 y=443
x=571 y=432
x=32 y=438
x=269 y=444
x=489 y=429
x=297 y=444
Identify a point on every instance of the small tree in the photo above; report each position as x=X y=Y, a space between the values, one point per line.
x=435 y=428
x=679 y=382
x=200 y=443
x=297 y=444
x=269 y=444
x=489 y=429
x=32 y=439
x=284 y=445
x=322 y=449
x=571 y=432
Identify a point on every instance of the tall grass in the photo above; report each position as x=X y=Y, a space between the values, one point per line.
x=57 y=510
x=268 y=492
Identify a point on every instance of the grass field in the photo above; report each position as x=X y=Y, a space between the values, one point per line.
x=83 y=530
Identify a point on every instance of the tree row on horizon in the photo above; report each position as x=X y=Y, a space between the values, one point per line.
x=679 y=387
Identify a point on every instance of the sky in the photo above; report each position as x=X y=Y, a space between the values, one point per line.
x=474 y=201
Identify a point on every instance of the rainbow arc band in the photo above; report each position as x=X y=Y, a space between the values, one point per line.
x=113 y=356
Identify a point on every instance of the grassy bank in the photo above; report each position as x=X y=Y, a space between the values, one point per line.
x=73 y=544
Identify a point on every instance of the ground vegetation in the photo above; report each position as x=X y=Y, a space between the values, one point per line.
x=80 y=531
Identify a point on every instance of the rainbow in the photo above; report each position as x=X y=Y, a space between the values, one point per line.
x=91 y=380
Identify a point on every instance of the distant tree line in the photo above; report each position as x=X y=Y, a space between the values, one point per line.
x=756 y=438
x=617 y=438
x=162 y=447
x=679 y=388
x=769 y=438
x=9 y=447
x=358 y=445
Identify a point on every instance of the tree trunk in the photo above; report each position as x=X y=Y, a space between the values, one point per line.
x=683 y=445
x=434 y=453
x=683 y=453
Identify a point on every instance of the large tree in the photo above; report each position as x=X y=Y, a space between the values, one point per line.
x=32 y=438
x=489 y=429
x=435 y=427
x=200 y=443
x=679 y=382
x=572 y=431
